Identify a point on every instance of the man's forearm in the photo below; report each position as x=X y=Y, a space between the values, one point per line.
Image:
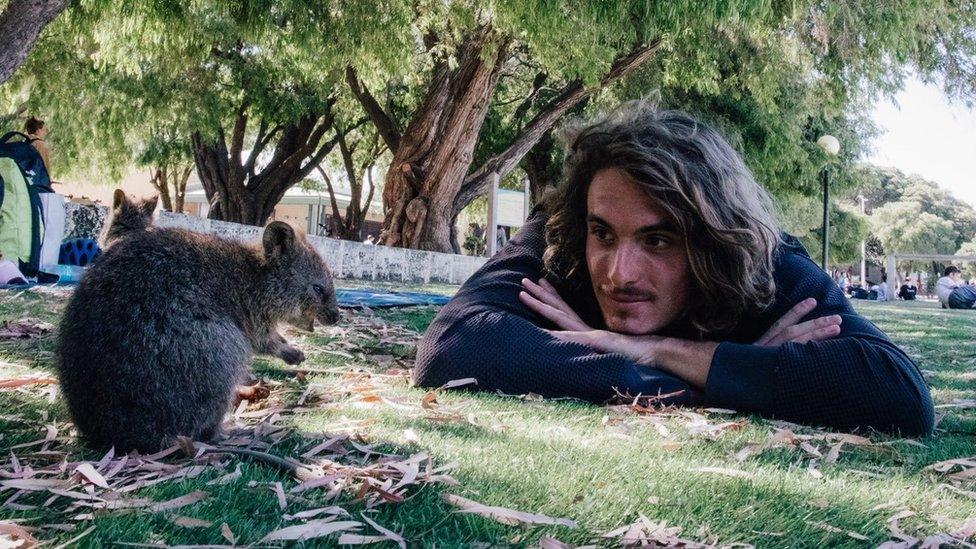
x=688 y=360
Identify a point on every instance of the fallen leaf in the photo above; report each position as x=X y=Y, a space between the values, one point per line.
x=458 y=383
x=227 y=533
x=723 y=471
x=311 y=530
x=86 y=470
x=182 y=501
x=279 y=493
x=15 y=536
x=429 y=400
x=11 y=383
x=189 y=522
x=503 y=515
x=388 y=534
x=23 y=328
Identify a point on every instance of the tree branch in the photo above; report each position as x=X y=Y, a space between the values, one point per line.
x=383 y=122
x=332 y=198
x=20 y=24
x=476 y=183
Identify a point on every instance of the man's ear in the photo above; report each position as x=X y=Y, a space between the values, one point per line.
x=149 y=205
x=279 y=239
x=118 y=198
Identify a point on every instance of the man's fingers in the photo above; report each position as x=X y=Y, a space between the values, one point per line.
x=556 y=316
x=773 y=336
x=799 y=330
x=547 y=294
x=819 y=334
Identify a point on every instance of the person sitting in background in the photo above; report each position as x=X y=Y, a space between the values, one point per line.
x=953 y=291
x=881 y=290
x=656 y=268
x=908 y=290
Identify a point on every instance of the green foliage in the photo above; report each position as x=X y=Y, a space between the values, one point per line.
x=969 y=267
x=802 y=217
x=883 y=187
x=905 y=227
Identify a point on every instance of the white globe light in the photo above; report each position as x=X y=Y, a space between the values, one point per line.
x=829 y=144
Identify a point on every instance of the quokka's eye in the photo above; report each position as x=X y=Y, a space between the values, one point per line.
x=318 y=289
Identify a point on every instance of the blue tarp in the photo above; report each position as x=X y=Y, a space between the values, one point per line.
x=374 y=299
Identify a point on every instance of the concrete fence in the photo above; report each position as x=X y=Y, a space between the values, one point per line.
x=346 y=259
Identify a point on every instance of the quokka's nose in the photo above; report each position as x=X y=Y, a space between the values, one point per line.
x=331 y=316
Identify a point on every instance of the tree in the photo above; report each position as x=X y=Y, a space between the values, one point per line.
x=903 y=227
x=248 y=84
x=802 y=216
x=968 y=268
x=432 y=175
x=170 y=164
x=20 y=24
x=359 y=150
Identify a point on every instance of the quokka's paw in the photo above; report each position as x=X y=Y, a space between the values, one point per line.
x=291 y=355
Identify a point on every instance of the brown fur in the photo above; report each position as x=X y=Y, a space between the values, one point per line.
x=127 y=217
x=162 y=328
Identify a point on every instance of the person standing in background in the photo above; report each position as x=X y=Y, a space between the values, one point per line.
x=36 y=131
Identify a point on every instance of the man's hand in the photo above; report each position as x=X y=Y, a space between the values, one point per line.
x=789 y=328
x=545 y=301
x=689 y=360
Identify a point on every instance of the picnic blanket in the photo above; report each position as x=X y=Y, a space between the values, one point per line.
x=348 y=298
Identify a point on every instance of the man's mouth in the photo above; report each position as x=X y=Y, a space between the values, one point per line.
x=628 y=297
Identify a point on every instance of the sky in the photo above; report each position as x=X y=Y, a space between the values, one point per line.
x=927 y=134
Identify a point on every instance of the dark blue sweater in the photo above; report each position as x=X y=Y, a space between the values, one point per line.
x=856 y=380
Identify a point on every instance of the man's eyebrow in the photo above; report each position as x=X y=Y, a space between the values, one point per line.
x=662 y=227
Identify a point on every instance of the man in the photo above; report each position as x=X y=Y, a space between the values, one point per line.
x=908 y=290
x=676 y=283
x=953 y=291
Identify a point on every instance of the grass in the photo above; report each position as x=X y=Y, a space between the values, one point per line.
x=602 y=467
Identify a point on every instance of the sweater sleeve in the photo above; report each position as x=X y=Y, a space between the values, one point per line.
x=486 y=333
x=858 y=379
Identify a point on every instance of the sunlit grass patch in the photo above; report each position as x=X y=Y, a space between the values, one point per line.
x=718 y=477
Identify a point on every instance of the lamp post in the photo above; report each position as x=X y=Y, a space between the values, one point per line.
x=830 y=145
x=862 y=200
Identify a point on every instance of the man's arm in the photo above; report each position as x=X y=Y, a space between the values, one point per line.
x=858 y=379
x=485 y=332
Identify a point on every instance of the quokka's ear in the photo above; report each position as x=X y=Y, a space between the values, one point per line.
x=118 y=199
x=149 y=205
x=279 y=239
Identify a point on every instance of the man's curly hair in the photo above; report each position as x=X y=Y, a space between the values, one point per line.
x=699 y=179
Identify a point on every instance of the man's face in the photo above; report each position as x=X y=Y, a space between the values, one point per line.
x=635 y=255
x=955 y=276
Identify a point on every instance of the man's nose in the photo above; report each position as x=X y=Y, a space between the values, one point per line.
x=624 y=266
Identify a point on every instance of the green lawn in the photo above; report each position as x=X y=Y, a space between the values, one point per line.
x=720 y=478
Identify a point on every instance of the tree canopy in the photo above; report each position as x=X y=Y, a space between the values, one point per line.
x=461 y=92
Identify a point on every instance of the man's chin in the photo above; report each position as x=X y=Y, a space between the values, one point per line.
x=633 y=326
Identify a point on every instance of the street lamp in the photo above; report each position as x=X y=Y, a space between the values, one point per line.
x=862 y=200
x=830 y=145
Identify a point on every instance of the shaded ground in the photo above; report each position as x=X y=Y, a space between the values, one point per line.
x=700 y=475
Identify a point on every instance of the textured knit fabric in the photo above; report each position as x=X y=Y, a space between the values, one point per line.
x=857 y=380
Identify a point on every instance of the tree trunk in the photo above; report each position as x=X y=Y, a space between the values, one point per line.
x=236 y=190
x=20 y=24
x=158 y=178
x=540 y=168
x=435 y=152
x=430 y=179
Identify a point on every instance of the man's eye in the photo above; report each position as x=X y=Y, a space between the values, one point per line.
x=601 y=234
x=656 y=242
